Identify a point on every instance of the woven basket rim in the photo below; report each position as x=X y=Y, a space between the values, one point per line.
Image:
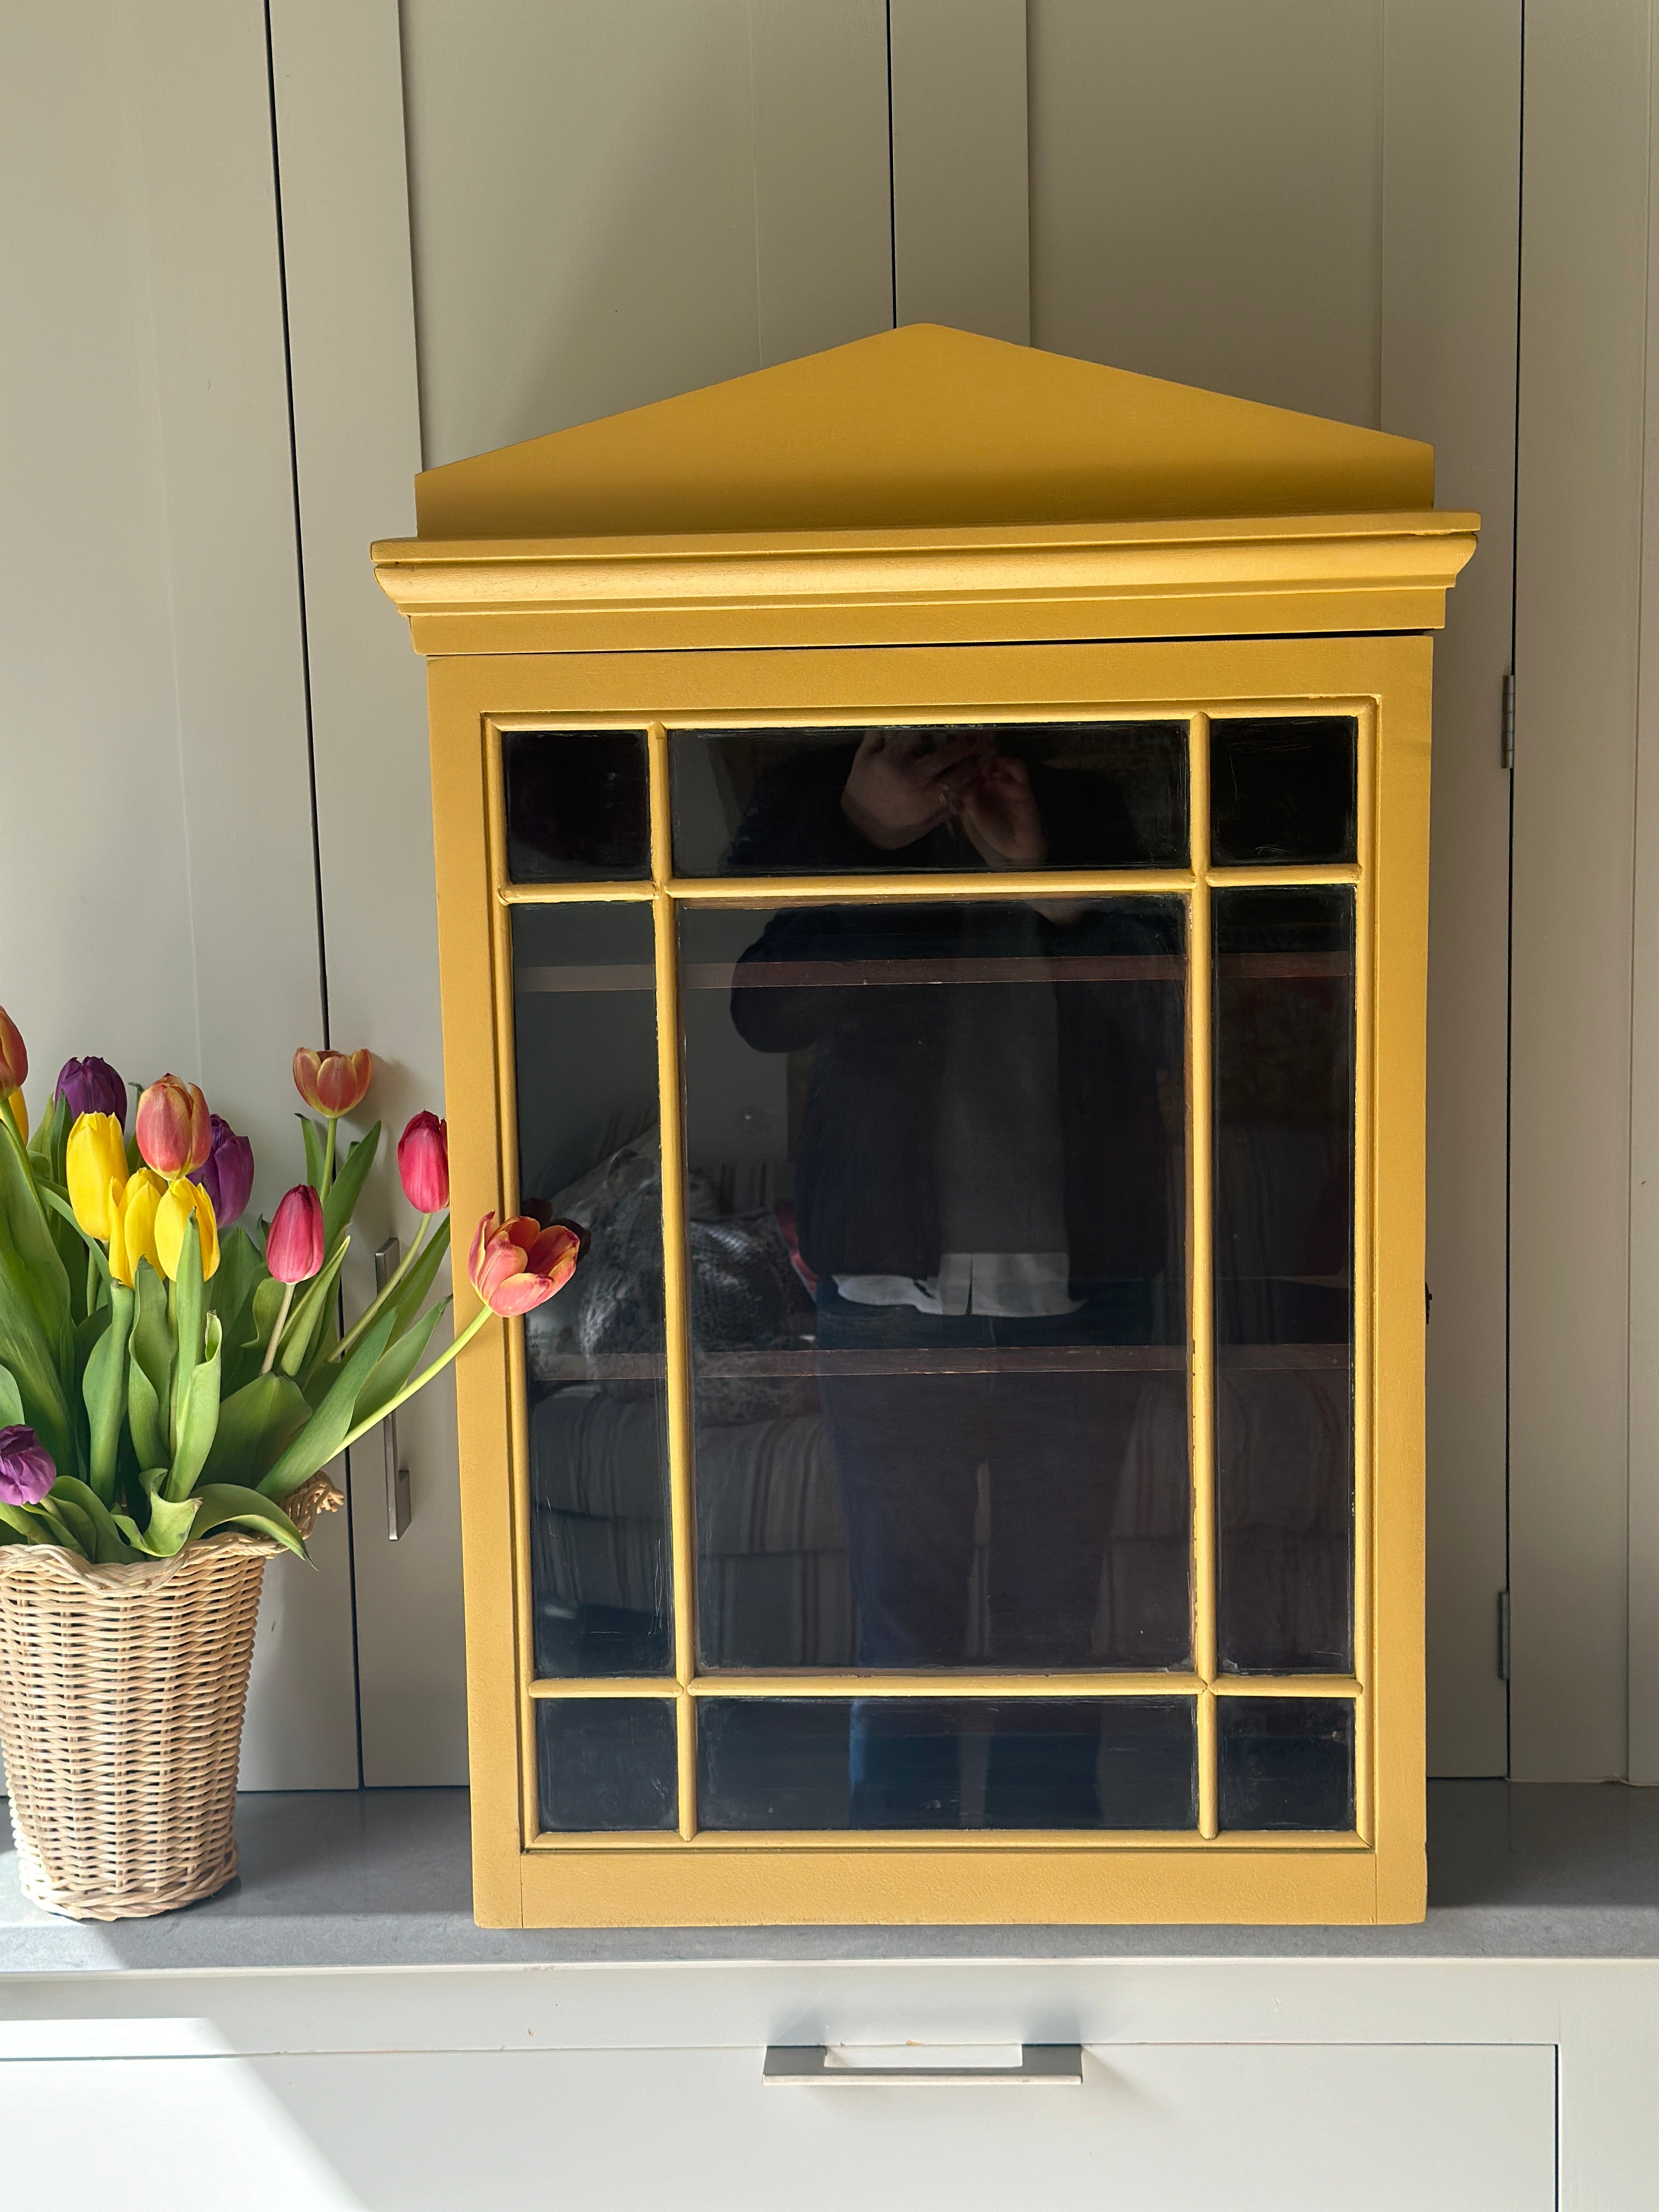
x=35 y=1568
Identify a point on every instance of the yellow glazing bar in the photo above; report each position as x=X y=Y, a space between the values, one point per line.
x=811 y=1682
x=780 y=890
x=507 y=1117
x=1364 y=1426
x=784 y=890
x=1202 y=1270
x=670 y=1102
x=1029 y=1845
x=573 y=894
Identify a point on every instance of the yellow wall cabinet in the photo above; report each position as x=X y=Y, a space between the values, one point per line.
x=932 y=853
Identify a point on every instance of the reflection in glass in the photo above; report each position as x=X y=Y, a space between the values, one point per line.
x=576 y=805
x=1285 y=1762
x=1284 y=1261
x=851 y=801
x=938 y=1306
x=606 y=1763
x=586 y=1048
x=943 y=1763
x=1283 y=789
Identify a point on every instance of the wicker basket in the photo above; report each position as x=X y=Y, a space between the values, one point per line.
x=121 y=1698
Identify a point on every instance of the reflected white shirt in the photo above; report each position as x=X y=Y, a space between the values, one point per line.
x=1005 y=1286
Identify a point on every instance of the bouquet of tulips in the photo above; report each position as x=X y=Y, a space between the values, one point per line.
x=164 y=1372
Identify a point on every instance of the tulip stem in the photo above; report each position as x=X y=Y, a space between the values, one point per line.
x=457 y=1344
x=365 y=1319
x=281 y=1323
x=328 y=1154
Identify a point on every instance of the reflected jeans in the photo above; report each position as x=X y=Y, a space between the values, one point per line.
x=909 y=1449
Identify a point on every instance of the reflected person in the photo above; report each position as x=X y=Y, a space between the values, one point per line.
x=984 y=1192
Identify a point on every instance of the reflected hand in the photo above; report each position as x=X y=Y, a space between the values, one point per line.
x=1001 y=815
x=899 y=787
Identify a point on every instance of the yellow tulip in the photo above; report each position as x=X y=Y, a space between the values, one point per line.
x=20 y=1114
x=184 y=1200
x=96 y=1168
x=132 y=1225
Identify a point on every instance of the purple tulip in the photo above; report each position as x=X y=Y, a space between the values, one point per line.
x=227 y=1175
x=26 y=1472
x=92 y=1086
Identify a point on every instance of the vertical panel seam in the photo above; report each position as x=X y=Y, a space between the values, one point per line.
x=311 y=766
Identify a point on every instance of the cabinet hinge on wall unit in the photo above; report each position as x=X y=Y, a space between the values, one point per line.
x=1503 y=1636
x=1506 y=741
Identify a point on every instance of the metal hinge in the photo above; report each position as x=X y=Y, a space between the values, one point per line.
x=1503 y=1636
x=1506 y=744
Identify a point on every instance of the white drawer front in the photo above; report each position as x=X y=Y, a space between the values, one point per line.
x=1154 y=2128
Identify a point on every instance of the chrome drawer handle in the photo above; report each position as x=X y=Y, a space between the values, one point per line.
x=807 y=2065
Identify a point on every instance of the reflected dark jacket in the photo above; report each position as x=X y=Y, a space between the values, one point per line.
x=865 y=1185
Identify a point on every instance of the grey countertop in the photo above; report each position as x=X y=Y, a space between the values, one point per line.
x=381 y=1878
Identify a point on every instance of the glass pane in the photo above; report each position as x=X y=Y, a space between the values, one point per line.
x=576 y=805
x=1285 y=1762
x=937 y=1295
x=607 y=1763
x=1284 y=1287
x=1283 y=790
x=851 y=801
x=585 y=1028
x=939 y=1763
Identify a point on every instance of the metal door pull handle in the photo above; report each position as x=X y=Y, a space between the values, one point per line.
x=396 y=1474
x=806 y=2065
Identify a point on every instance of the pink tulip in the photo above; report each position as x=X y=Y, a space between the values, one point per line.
x=516 y=1266
x=423 y=1163
x=332 y=1083
x=176 y=1135
x=294 y=1247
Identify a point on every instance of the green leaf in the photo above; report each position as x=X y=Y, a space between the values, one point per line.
x=82 y=1535
x=149 y=1371
x=39 y=1352
x=308 y=1311
x=256 y=1426
x=104 y=1387
x=316 y=1145
x=28 y=1522
x=267 y=1304
x=230 y=1293
x=11 y=1401
x=198 y=1418
x=225 y=1503
x=398 y=1363
x=347 y=1187
x=185 y=1306
x=36 y=1268
x=168 y=1530
x=330 y=1425
x=112 y=1547
x=49 y=1146
x=411 y=1291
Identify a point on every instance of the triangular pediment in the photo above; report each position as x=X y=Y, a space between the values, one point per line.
x=923 y=427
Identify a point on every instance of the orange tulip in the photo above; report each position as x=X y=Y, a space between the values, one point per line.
x=516 y=1266
x=332 y=1083
x=14 y=1055
x=176 y=1133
